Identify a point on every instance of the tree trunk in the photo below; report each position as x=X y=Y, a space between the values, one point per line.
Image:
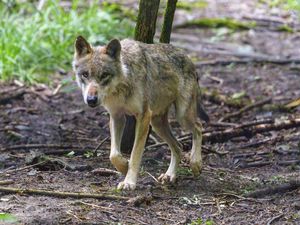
x=144 y=32
x=168 y=21
x=128 y=135
x=146 y=21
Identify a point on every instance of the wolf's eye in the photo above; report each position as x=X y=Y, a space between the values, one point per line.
x=85 y=74
x=104 y=75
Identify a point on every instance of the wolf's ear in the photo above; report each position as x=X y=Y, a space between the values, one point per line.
x=82 y=47
x=113 y=49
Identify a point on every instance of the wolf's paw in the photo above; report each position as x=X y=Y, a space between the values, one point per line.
x=120 y=163
x=196 y=166
x=126 y=186
x=166 y=178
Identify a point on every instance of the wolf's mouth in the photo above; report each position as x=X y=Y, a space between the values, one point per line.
x=92 y=105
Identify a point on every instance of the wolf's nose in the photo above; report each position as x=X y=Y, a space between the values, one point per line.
x=92 y=100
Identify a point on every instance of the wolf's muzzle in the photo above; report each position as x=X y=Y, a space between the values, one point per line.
x=92 y=101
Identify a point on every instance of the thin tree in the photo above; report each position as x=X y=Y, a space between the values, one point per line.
x=168 y=21
x=146 y=21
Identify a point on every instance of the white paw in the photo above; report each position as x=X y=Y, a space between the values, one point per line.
x=196 y=166
x=165 y=178
x=126 y=186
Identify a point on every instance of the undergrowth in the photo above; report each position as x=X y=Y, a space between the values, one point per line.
x=34 y=44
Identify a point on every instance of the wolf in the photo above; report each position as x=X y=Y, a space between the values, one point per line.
x=144 y=80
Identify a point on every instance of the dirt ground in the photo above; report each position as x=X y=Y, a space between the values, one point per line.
x=43 y=115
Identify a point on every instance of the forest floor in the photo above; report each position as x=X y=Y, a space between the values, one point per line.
x=69 y=132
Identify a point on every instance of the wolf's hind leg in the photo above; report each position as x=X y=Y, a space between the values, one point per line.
x=117 y=124
x=161 y=127
x=195 y=157
x=187 y=117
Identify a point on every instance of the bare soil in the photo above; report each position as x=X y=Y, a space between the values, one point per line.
x=41 y=116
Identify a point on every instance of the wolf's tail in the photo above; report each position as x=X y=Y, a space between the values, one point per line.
x=200 y=110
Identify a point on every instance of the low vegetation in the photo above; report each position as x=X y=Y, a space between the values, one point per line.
x=35 y=43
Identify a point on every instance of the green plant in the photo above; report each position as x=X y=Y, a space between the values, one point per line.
x=293 y=4
x=199 y=221
x=88 y=154
x=286 y=4
x=184 y=171
x=8 y=218
x=196 y=222
x=34 y=44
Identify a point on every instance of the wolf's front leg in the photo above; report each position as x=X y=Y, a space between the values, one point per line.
x=141 y=132
x=117 y=124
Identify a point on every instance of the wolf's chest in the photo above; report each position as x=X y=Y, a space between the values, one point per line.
x=120 y=105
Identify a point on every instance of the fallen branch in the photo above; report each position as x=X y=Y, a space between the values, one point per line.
x=255 y=122
x=225 y=135
x=35 y=146
x=6 y=182
x=105 y=172
x=282 y=188
x=59 y=194
x=7 y=96
x=226 y=52
x=222 y=124
x=275 y=218
x=246 y=108
x=257 y=143
x=266 y=163
x=246 y=61
x=255 y=164
x=77 y=151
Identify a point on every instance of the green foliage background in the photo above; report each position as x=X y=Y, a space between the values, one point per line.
x=33 y=43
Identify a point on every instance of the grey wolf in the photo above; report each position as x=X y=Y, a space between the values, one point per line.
x=144 y=80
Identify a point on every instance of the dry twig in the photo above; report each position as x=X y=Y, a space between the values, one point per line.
x=282 y=188
x=60 y=194
x=105 y=172
x=58 y=149
x=246 y=108
x=274 y=218
x=101 y=143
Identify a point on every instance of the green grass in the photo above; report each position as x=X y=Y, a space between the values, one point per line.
x=34 y=44
x=8 y=218
x=285 y=4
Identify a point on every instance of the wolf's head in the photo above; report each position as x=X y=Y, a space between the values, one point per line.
x=96 y=69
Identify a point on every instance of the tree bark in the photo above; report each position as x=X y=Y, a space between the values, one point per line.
x=146 y=21
x=144 y=32
x=168 y=21
x=128 y=134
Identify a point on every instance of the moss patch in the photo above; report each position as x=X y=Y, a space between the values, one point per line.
x=220 y=22
x=191 y=5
